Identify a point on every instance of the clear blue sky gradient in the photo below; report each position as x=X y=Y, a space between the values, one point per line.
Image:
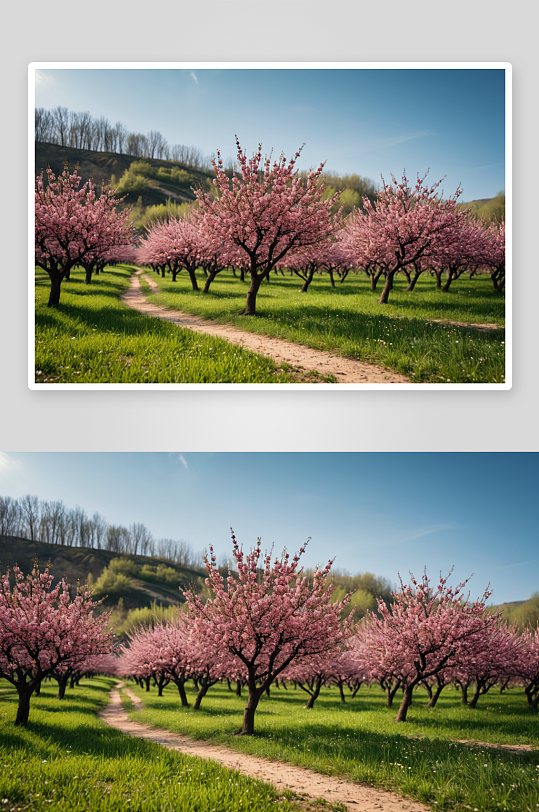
x=370 y=122
x=374 y=512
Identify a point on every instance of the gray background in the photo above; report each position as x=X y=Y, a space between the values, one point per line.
x=267 y=30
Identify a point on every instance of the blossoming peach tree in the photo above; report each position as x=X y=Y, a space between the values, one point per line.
x=43 y=628
x=266 y=616
x=263 y=212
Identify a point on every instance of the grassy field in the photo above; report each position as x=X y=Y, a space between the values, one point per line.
x=94 y=338
x=347 y=320
x=359 y=739
x=67 y=758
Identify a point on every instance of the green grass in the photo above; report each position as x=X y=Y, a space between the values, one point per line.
x=94 y=338
x=347 y=319
x=359 y=739
x=68 y=759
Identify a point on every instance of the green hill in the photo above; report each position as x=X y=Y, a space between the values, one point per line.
x=102 y=166
x=137 y=580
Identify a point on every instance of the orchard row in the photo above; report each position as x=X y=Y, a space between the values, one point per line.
x=269 y=217
x=265 y=622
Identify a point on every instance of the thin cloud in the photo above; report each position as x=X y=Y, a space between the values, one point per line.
x=8 y=463
x=194 y=77
x=486 y=166
x=399 y=139
x=510 y=565
x=183 y=462
x=427 y=531
x=385 y=143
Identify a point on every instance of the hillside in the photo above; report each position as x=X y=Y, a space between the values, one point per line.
x=149 y=580
x=101 y=166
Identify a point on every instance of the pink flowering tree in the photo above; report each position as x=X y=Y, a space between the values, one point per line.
x=494 y=256
x=491 y=662
x=42 y=629
x=401 y=226
x=526 y=666
x=267 y=616
x=381 y=664
x=264 y=212
x=148 y=656
x=72 y=223
x=325 y=256
x=458 y=249
x=425 y=631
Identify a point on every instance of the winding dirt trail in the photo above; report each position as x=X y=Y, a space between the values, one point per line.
x=284 y=776
x=346 y=370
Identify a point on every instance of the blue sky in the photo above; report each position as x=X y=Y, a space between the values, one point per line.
x=373 y=512
x=364 y=121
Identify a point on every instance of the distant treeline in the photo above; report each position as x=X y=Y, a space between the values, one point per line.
x=82 y=131
x=54 y=523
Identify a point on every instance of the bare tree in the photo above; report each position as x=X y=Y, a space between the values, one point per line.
x=44 y=125
x=30 y=512
x=60 y=117
x=10 y=516
x=122 y=134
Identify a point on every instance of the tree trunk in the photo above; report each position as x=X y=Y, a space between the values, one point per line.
x=307 y=282
x=38 y=689
x=62 y=685
x=192 y=277
x=390 y=692
x=434 y=697
x=414 y=279
x=147 y=682
x=314 y=696
x=248 y=728
x=427 y=688
x=438 y=279
x=25 y=692
x=183 y=695
x=202 y=691
x=209 y=280
x=331 y=278
x=343 y=698
x=387 y=287
x=448 y=283
x=250 y=304
x=406 y=702
x=238 y=688
x=54 y=295
x=475 y=697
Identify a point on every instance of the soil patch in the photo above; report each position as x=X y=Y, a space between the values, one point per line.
x=484 y=328
x=304 y=359
x=300 y=780
x=512 y=748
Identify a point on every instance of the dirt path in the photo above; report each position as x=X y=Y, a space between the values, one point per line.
x=511 y=748
x=482 y=327
x=346 y=370
x=284 y=776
